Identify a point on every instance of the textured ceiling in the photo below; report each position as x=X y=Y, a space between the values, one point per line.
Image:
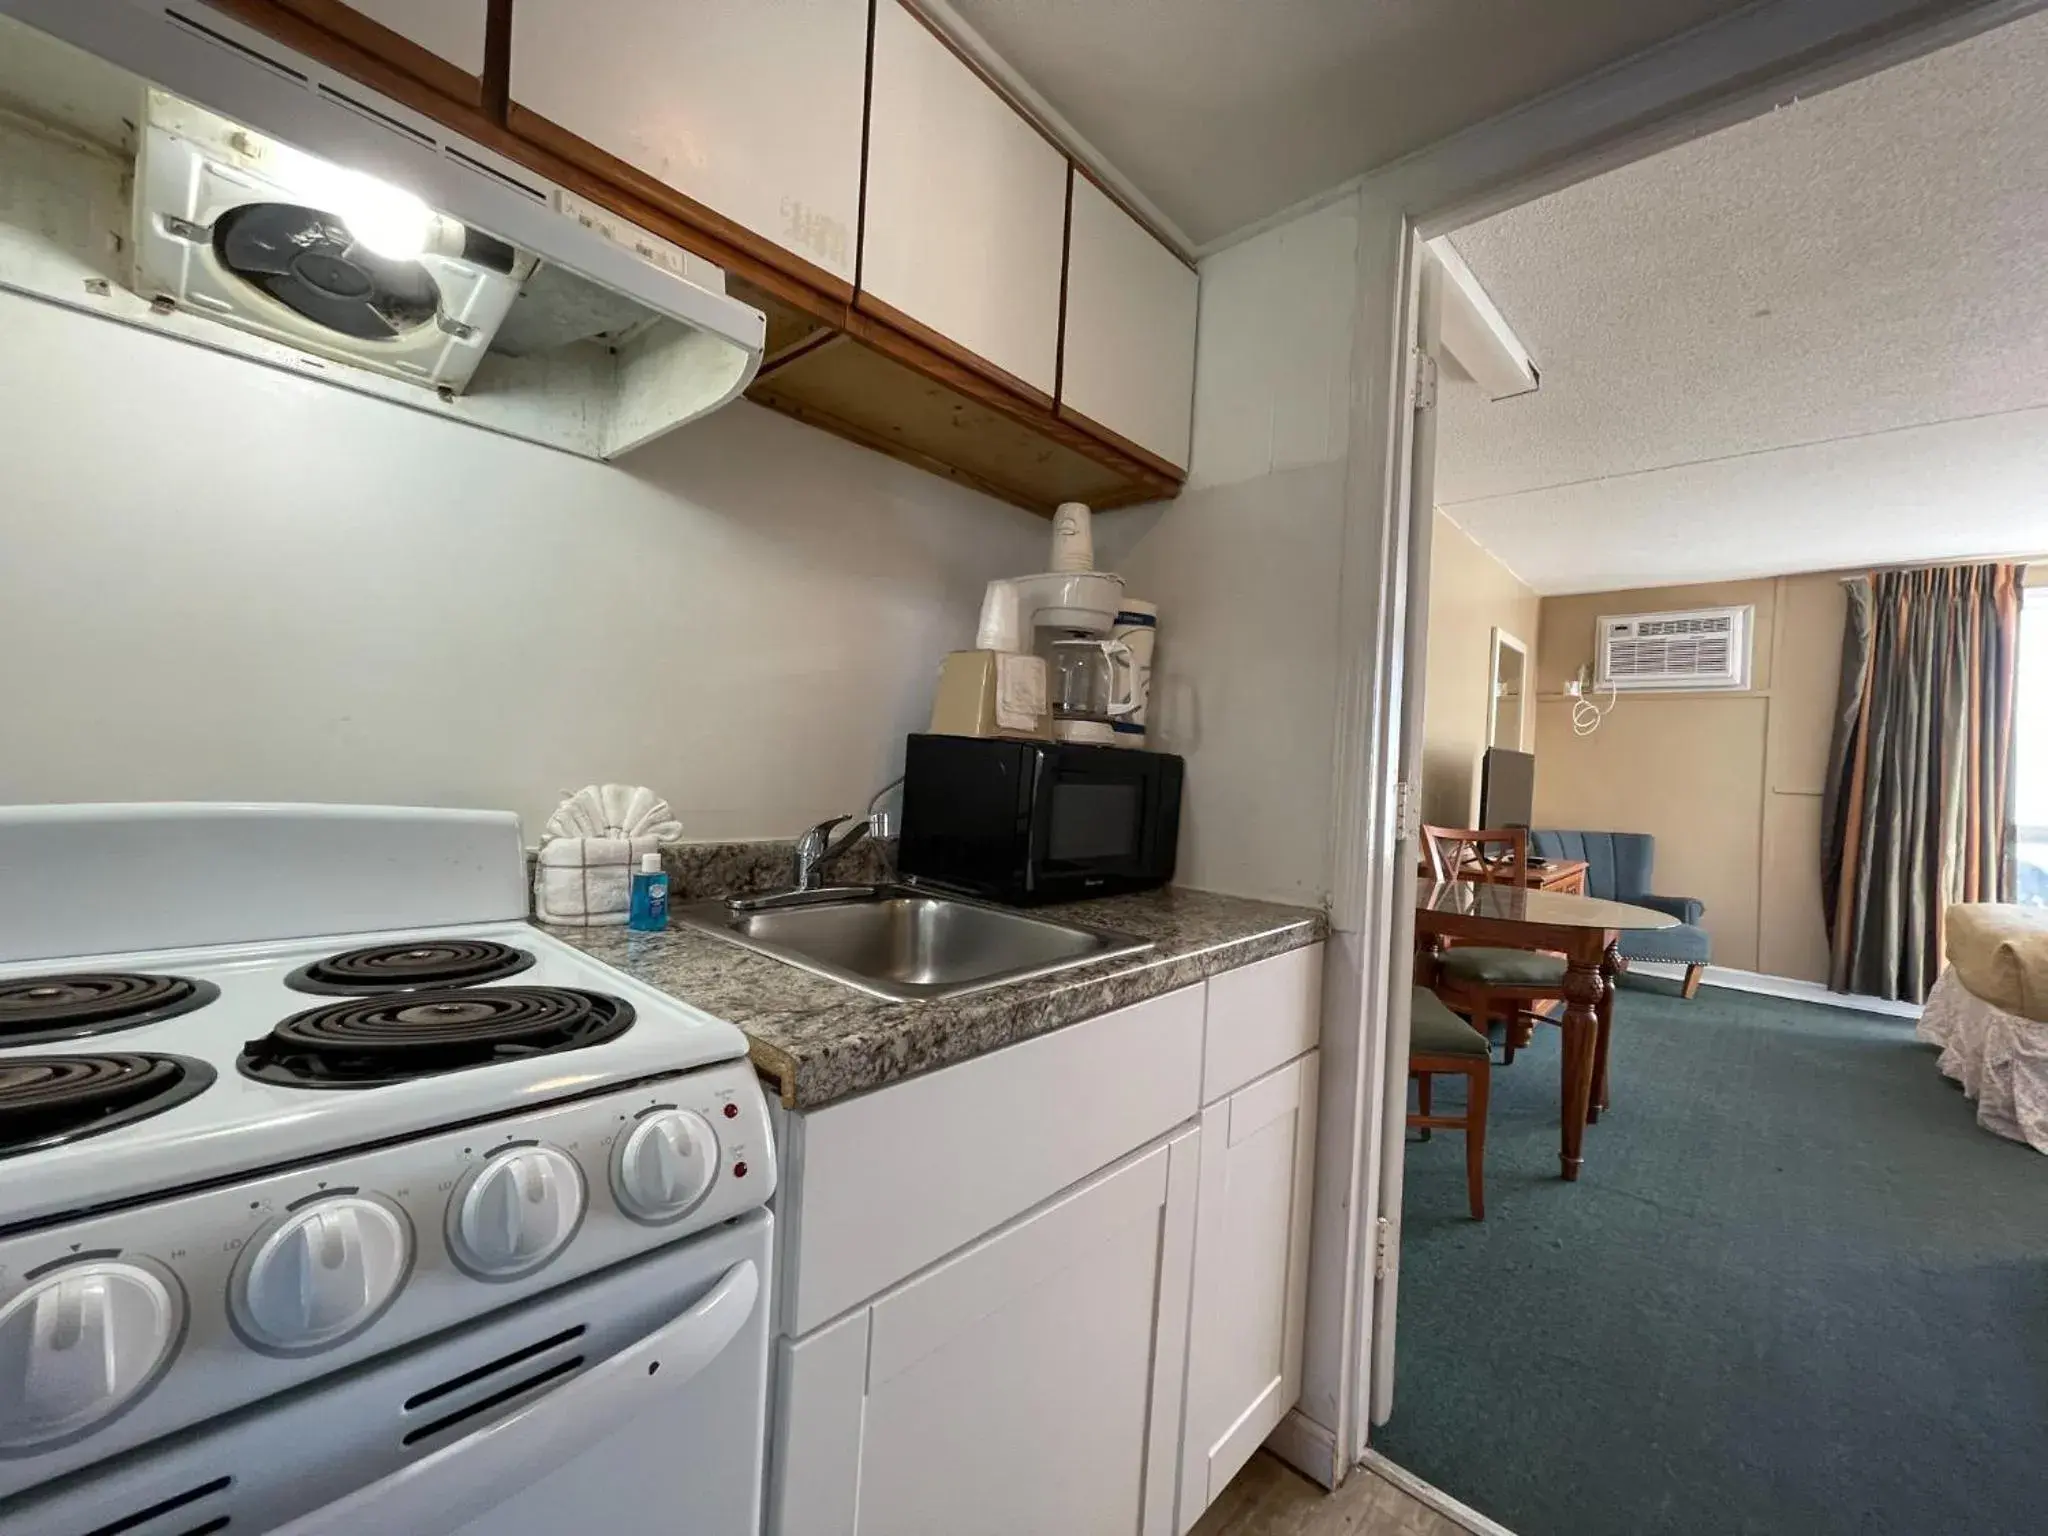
x=1224 y=111
x=1736 y=336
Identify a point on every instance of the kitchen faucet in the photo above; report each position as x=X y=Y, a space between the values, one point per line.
x=817 y=847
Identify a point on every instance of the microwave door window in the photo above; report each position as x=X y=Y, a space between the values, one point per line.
x=1095 y=822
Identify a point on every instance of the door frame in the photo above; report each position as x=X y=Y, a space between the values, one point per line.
x=1709 y=78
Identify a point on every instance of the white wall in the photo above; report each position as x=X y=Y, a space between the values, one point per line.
x=1245 y=565
x=218 y=581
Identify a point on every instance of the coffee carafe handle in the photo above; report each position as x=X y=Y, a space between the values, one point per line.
x=1119 y=655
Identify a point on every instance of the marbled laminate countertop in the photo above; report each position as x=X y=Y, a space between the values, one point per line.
x=820 y=1041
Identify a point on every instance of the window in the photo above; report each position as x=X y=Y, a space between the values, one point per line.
x=2030 y=727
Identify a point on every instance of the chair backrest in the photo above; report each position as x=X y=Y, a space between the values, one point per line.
x=1618 y=864
x=1499 y=856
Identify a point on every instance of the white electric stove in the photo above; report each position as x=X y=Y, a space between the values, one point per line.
x=335 y=1197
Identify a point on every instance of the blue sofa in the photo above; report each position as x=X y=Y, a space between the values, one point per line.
x=1618 y=869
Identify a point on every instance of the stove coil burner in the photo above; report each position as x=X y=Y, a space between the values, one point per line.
x=37 y=1009
x=434 y=963
x=375 y=1041
x=48 y=1100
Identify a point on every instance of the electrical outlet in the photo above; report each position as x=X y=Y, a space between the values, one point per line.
x=1572 y=689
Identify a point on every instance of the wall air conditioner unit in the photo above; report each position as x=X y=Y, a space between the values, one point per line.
x=1702 y=648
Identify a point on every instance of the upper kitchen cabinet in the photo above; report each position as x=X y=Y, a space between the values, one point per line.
x=1129 y=365
x=744 y=118
x=440 y=43
x=966 y=213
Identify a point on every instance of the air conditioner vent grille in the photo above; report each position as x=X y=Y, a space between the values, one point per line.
x=1707 y=648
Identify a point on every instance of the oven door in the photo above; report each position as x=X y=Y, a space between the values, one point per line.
x=634 y=1402
x=1105 y=819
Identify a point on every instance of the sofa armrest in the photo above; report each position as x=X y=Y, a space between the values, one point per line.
x=1687 y=909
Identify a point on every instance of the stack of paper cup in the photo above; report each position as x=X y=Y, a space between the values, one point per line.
x=1137 y=625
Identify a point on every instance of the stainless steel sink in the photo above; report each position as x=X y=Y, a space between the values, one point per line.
x=908 y=945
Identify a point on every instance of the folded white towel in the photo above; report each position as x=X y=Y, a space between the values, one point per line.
x=614 y=810
x=594 y=843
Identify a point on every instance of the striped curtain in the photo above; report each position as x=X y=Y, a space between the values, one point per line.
x=1920 y=793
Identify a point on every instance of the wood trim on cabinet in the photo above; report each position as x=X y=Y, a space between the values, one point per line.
x=867 y=118
x=497 y=82
x=1145 y=457
x=373 y=37
x=952 y=351
x=1059 y=355
x=566 y=146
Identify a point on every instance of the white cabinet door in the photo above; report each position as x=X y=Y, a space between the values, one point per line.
x=1130 y=328
x=1251 y=1276
x=966 y=206
x=752 y=110
x=1029 y=1384
x=448 y=29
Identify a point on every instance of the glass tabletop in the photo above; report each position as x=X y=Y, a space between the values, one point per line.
x=1517 y=904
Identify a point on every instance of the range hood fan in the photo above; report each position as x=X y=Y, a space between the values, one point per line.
x=241 y=229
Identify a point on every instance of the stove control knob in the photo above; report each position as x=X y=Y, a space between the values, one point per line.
x=515 y=1212
x=79 y=1344
x=320 y=1274
x=664 y=1164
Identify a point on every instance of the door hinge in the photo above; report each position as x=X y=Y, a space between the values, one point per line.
x=1383 y=1248
x=1407 y=811
x=1423 y=396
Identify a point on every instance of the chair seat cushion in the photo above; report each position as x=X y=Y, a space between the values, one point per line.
x=1436 y=1031
x=1684 y=944
x=1478 y=963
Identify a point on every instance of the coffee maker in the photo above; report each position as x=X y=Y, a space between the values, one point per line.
x=1091 y=677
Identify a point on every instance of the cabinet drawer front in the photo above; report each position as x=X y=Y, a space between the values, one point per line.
x=966 y=206
x=901 y=1177
x=685 y=91
x=1260 y=1016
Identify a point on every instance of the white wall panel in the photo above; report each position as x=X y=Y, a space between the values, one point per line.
x=221 y=582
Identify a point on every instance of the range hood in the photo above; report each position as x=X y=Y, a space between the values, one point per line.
x=169 y=169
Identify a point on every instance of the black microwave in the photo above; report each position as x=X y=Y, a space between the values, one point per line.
x=1025 y=822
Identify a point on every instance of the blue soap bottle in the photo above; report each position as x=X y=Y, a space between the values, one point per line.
x=649 y=910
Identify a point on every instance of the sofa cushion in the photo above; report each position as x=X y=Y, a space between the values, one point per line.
x=1479 y=963
x=1436 y=1031
x=1684 y=944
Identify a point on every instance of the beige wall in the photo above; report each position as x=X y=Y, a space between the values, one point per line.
x=1728 y=783
x=1470 y=595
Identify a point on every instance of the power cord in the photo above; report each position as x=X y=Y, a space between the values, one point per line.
x=1586 y=715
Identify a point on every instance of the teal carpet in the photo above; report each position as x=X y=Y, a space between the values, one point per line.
x=1795 y=1290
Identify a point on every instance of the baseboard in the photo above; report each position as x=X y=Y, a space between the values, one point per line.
x=1778 y=986
x=1428 y=1493
x=1308 y=1447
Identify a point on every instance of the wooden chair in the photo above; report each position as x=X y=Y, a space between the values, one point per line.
x=1482 y=982
x=1441 y=1043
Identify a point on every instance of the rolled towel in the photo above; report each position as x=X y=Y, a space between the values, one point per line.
x=594 y=843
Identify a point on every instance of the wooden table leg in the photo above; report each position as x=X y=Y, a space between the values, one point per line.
x=1611 y=967
x=1583 y=988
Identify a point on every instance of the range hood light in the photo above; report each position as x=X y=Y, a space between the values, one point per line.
x=384 y=219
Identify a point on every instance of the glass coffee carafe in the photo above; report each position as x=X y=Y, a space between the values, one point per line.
x=1092 y=682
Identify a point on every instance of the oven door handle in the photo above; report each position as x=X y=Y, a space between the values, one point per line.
x=445 y=1491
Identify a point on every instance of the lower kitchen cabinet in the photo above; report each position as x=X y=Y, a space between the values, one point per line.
x=1032 y=1383
x=1251 y=1276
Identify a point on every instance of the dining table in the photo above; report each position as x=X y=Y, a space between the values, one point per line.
x=1586 y=930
